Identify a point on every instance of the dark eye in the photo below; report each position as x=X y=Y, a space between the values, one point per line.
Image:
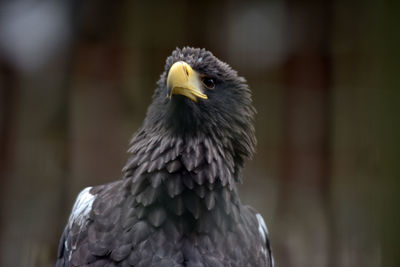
x=209 y=82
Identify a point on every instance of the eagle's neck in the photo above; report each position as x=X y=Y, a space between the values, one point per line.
x=204 y=158
x=188 y=180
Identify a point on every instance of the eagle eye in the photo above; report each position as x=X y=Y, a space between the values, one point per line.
x=208 y=82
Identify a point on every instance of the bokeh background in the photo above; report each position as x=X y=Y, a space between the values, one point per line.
x=76 y=78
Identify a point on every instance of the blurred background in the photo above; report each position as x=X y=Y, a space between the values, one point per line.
x=76 y=78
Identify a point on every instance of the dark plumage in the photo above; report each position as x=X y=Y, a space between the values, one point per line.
x=177 y=204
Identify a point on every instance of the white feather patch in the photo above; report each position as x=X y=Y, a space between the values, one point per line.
x=82 y=207
x=262 y=227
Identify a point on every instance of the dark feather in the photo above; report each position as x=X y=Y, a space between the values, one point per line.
x=210 y=200
x=140 y=231
x=121 y=252
x=176 y=205
x=157 y=216
x=156 y=179
x=147 y=196
x=192 y=204
x=174 y=185
x=174 y=166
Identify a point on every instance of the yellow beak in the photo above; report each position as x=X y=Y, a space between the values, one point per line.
x=183 y=80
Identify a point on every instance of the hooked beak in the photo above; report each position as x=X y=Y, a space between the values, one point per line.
x=183 y=80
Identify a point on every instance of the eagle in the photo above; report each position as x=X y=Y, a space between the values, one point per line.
x=177 y=201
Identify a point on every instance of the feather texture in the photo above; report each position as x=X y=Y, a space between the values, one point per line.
x=177 y=204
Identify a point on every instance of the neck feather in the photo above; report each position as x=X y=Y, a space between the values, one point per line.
x=190 y=179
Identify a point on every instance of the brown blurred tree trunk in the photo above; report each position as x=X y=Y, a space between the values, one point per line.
x=304 y=200
x=8 y=94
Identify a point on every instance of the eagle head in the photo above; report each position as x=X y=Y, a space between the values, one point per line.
x=199 y=95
